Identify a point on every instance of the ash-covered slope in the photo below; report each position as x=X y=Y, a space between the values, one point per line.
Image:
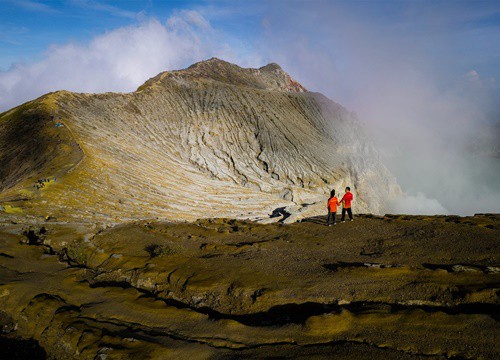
x=211 y=140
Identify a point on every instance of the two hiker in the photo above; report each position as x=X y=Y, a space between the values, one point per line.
x=333 y=202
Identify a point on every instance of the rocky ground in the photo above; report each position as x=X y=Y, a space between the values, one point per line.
x=392 y=287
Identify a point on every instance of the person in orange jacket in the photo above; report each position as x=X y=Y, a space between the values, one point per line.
x=332 y=209
x=346 y=204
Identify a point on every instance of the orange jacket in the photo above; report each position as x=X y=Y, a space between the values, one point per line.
x=332 y=204
x=347 y=199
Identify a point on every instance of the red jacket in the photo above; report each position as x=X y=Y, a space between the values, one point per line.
x=332 y=204
x=347 y=199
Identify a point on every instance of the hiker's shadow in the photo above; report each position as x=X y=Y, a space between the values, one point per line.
x=321 y=220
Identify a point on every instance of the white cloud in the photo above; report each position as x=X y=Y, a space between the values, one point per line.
x=120 y=60
x=474 y=80
x=193 y=18
x=113 y=10
x=34 y=6
x=472 y=75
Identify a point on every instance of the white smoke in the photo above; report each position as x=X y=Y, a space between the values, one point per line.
x=404 y=74
x=417 y=204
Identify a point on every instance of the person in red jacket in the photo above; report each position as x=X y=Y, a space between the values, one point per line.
x=332 y=208
x=346 y=204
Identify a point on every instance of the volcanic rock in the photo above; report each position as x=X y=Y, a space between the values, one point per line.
x=211 y=140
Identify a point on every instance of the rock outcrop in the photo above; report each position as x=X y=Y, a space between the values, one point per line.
x=211 y=140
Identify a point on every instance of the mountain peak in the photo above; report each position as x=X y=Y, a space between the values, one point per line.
x=269 y=77
x=271 y=67
x=212 y=62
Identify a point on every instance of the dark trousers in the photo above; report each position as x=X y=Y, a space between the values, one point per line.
x=349 y=211
x=332 y=216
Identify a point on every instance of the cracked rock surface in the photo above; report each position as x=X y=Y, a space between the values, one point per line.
x=392 y=287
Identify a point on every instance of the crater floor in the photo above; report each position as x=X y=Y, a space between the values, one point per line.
x=392 y=287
